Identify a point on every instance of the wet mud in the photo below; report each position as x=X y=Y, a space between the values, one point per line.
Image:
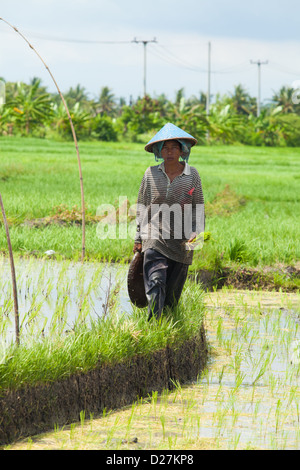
x=284 y=278
x=36 y=409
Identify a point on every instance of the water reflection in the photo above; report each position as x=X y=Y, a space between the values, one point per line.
x=47 y=288
x=250 y=394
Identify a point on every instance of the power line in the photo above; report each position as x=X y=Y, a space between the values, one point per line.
x=167 y=59
x=233 y=68
x=283 y=69
x=172 y=57
x=79 y=41
x=168 y=56
x=73 y=40
x=164 y=54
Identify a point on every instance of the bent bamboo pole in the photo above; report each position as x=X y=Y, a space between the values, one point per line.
x=13 y=274
x=73 y=133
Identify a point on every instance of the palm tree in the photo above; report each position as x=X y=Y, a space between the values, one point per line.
x=164 y=104
x=61 y=124
x=179 y=96
x=38 y=82
x=189 y=115
x=241 y=101
x=31 y=104
x=284 y=99
x=106 y=103
x=77 y=95
x=195 y=100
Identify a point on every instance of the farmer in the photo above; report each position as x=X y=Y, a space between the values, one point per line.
x=170 y=215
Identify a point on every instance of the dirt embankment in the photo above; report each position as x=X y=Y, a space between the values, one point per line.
x=285 y=278
x=35 y=409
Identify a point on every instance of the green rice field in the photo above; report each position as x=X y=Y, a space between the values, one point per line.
x=248 y=396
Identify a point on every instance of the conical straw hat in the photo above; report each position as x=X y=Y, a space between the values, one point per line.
x=170 y=132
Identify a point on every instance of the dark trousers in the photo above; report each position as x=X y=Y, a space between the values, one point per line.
x=164 y=280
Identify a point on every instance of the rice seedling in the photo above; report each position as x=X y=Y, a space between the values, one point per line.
x=71 y=338
x=238 y=251
x=13 y=273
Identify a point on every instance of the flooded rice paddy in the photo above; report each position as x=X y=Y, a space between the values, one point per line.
x=248 y=397
x=48 y=290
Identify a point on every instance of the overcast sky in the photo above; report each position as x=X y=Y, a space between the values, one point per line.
x=89 y=42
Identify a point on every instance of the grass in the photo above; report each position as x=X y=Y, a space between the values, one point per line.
x=251 y=195
x=54 y=348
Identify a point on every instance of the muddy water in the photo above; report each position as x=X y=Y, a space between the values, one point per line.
x=247 y=398
x=252 y=383
x=47 y=288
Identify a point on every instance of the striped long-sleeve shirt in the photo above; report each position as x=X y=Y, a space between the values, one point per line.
x=169 y=212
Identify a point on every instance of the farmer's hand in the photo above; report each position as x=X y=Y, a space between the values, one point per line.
x=137 y=248
x=192 y=237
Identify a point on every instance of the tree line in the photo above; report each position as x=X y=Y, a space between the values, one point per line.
x=30 y=110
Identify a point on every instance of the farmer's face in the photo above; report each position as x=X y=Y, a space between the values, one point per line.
x=171 y=151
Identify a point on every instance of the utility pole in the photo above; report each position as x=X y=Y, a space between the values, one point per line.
x=208 y=80
x=258 y=63
x=145 y=59
x=208 y=87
